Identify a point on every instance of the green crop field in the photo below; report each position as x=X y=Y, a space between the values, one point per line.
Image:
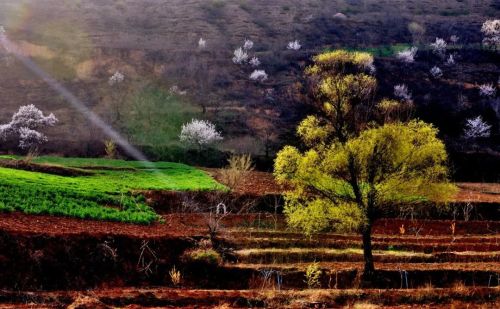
x=104 y=189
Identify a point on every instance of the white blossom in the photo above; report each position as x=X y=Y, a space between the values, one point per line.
x=255 y=62
x=175 y=90
x=259 y=75
x=476 y=128
x=491 y=30
x=202 y=43
x=2 y=30
x=294 y=45
x=29 y=138
x=25 y=123
x=436 y=72
x=240 y=56
x=248 y=45
x=491 y=27
x=439 y=47
x=450 y=61
x=407 y=55
x=487 y=90
x=454 y=39
x=200 y=133
x=116 y=78
x=401 y=92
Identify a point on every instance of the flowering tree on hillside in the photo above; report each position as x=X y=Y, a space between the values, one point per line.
x=259 y=75
x=255 y=62
x=25 y=124
x=116 y=78
x=248 y=45
x=454 y=39
x=476 y=128
x=294 y=45
x=487 y=90
x=450 y=61
x=407 y=55
x=436 y=72
x=491 y=31
x=401 y=92
x=202 y=43
x=199 y=133
x=439 y=47
x=240 y=56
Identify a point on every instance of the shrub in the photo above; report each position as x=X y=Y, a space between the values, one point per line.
x=110 y=149
x=313 y=273
x=175 y=276
x=238 y=167
x=204 y=256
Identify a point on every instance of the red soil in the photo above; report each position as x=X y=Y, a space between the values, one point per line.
x=195 y=224
x=261 y=183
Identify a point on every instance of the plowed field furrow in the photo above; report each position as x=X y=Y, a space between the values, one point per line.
x=419 y=245
x=332 y=298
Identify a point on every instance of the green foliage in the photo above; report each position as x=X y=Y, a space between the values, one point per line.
x=313 y=273
x=105 y=194
x=393 y=164
x=204 y=256
x=381 y=50
x=155 y=117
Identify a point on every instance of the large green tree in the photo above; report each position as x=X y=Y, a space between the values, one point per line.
x=353 y=168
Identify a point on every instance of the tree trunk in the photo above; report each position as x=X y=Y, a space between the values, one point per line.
x=367 y=251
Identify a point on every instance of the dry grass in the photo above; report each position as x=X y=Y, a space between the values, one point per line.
x=238 y=167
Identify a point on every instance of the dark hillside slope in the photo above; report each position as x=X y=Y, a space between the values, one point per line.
x=155 y=44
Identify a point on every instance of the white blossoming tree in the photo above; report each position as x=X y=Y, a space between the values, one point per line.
x=25 y=124
x=476 y=128
x=436 y=72
x=240 y=56
x=255 y=62
x=294 y=45
x=199 y=134
x=491 y=31
x=487 y=90
x=202 y=43
x=454 y=39
x=248 y=45
x=439 y=47
x=259 y=75
x=407 y=55
x=116 y=78
x=118 y=94
x=401 y=92
x=450 y=61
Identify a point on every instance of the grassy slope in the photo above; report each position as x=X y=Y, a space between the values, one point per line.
x=88 y=196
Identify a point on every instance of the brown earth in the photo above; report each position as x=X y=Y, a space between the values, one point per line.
x=262 y=183
x=195 y=224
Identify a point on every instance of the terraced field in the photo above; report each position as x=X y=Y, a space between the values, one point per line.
x=263 y=264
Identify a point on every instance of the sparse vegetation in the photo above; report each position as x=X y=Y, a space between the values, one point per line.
x=313 y=274
x=366 y=181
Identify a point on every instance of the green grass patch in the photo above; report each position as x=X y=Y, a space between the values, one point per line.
x=155 y=117
x=108 y=193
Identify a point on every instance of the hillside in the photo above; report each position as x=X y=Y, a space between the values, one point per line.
x=155 y=44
